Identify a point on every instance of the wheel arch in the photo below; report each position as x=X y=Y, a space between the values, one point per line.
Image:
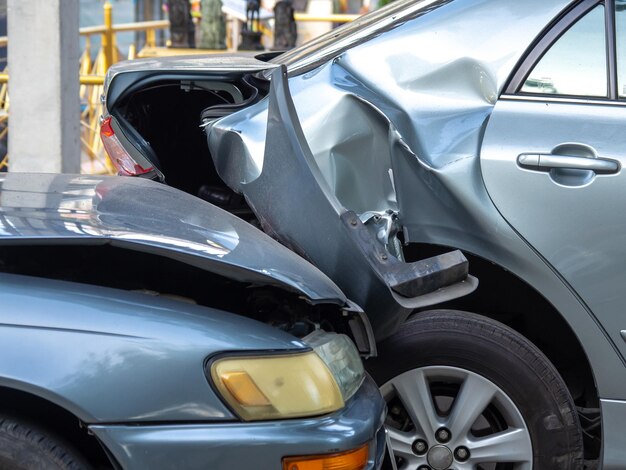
x=54 y=418
x=505 y=297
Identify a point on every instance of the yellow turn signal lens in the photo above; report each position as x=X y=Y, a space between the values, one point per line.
x=351 y=460
x=277 y=386
x=244 y=390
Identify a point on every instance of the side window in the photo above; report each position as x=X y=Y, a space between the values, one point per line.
x=620 y=33
x=576 y=62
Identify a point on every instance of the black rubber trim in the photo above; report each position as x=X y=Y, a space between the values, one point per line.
x=545 y=40
x=621 y=11
x=611 y=46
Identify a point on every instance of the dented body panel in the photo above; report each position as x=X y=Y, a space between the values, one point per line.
x=343 y=249
x=132 y=367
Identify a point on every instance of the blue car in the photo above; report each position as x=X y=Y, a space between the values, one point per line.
x=143 y=328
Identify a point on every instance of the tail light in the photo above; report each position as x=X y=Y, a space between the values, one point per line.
x=123 y=161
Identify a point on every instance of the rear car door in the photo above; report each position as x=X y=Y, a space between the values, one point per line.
x=553 y=154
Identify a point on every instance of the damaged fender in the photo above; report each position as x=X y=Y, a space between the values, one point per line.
x=290 y=195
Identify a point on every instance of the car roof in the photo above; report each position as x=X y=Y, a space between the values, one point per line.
x=399 y=12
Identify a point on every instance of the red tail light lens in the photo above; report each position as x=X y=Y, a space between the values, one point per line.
x=105 y=128
x=122 y=160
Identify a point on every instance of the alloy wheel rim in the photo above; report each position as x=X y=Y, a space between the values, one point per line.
x=478 y=427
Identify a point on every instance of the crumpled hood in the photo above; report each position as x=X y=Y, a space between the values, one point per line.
x=145 y=216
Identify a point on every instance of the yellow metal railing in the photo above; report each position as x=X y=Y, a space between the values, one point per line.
x=92 y=73
x=84 y=79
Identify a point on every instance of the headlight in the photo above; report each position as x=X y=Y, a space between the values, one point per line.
x=291 y=385
x=342 y=358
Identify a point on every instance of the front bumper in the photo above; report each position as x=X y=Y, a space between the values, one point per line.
x=259 y=445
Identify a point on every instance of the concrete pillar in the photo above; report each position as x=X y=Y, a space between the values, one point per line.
x=44 y=127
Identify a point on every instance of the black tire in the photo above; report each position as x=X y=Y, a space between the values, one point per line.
x=469 y=342
x=25 y=447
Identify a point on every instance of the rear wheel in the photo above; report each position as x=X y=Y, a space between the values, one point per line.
x=466 y=392
x=25 y=447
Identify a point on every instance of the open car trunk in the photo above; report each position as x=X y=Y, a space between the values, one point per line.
x=163 y=118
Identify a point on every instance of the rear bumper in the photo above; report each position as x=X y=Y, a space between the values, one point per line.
x=251 y=445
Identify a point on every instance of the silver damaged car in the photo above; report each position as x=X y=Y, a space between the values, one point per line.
x=398 y=150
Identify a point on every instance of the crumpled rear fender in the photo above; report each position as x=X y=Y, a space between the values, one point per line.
x=294 y=203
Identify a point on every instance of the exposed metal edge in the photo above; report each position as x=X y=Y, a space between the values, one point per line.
x=409 y=280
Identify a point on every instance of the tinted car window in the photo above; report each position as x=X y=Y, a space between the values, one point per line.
x=576 y=63
x=620 y=31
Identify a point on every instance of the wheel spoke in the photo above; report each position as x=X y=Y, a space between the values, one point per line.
x=508 y=446
x=414 y=392
x=401 y=443
x=473 y=397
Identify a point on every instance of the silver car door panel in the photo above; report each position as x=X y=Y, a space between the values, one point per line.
x=572 y=217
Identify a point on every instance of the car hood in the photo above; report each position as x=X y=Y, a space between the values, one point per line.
x=146 y=216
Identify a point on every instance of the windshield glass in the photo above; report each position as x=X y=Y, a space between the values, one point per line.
x=336 y=41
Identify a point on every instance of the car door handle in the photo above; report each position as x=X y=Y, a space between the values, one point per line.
x=548 y=161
